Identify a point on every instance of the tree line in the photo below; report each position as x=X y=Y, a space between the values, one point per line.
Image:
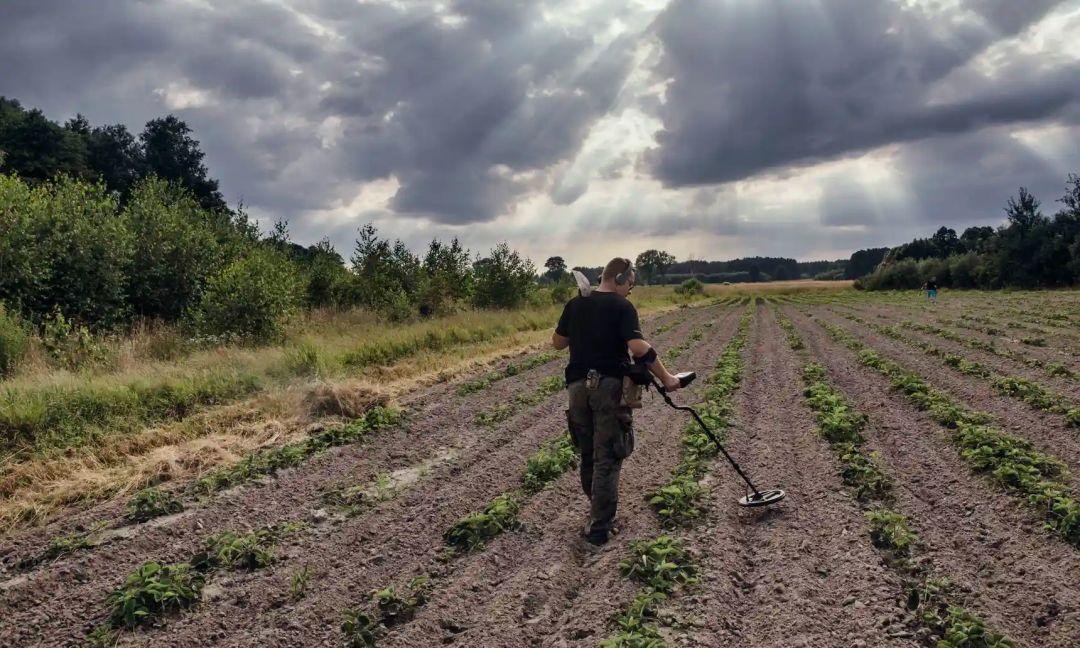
x=1029 y=250
x=659 y=267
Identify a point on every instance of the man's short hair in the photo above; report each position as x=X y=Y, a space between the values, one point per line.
x=615 y=267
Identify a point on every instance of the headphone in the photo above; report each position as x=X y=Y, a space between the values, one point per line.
x=623 y=277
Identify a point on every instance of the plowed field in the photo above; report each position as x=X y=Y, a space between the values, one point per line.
x=929 y=499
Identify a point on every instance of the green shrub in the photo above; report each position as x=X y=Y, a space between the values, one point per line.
x=71 y=345
x=150 y=503
x=175 y=249
x=250 y=299
x=504 y=279
x=14 y=340
x=690 y=287
x=151 y=591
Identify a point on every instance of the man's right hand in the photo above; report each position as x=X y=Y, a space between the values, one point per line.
x=671 y=383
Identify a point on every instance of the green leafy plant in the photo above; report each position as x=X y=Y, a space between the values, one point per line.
x=890 y=530
x=151 y=591
x=361 y=629
x=471 y=532
x=298 y=583
x=548 y=463
x=152 y=502
x=14 y=341
x=395 y=608
x=662 y=564
x=229 y=550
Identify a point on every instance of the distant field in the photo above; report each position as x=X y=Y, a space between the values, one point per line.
x=412 y=485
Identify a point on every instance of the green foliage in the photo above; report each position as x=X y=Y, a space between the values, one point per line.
x=675 y=502
x=298 y=583
x=250 y=299
x=102 y=636
x=793 y=339
x=72 y=346
x=268 y=462
x=175 y=249
x=361 y=629
x=396 y=608
x=504 y=279
x=150 y=503
x=494 y=415
x=662 y=564
x=965 y=630
x=306 y=359
x=152 y=591
x=636 y=627
x=230 y=550
x=652 y=264
x=471 y=532
x=690 y=287
x=889 y=530
x=14 y=340
x=511 y=369
x=548 y=463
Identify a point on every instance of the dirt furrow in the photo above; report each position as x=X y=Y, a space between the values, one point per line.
x=537 y=588
x=801 y=573
x=1047 y=431
x=1065 y=387
x=1018 y=577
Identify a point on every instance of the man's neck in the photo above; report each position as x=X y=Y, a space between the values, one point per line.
x=606 y=286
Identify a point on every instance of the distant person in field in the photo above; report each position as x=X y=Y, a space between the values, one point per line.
x=931 y=289
x=601 y=328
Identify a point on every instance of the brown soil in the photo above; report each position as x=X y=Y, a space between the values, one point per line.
x=803 y=572
x=1047 y=431
x=57 y=603
x=1021 y=579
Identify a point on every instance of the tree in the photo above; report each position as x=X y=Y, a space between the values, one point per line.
x=946 y=241
x=652 y=264
x=114 y=155
x=1023 y=211
x=863 y=262
x=974 y=238
x=556 y=268
x=448 y=277
x=171 y=153
x=37 y=149
x=504 y=279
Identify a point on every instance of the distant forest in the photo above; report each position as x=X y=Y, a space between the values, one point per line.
x=1030 y=250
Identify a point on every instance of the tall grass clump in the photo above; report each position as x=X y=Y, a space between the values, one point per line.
x=14 y=341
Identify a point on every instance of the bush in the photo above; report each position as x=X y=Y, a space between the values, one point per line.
x=153 y=590
x=175 y=249
x=690 y=287
x=14 y=339
x=503 y=280
x=251 y=299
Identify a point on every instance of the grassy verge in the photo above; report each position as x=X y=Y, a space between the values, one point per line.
x=1009 y=462
x=933 y=601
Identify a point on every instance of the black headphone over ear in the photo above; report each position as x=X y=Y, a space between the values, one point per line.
x=623 y=277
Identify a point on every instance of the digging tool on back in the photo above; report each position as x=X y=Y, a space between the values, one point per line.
x=753 y=497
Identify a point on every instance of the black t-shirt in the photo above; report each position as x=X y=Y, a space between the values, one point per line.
x=599 y=326
x=931 y=285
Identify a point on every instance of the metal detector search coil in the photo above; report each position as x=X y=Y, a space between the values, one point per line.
x=754 y=497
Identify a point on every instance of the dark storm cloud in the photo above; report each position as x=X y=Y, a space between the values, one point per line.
x=460 y=106
x=761 y=85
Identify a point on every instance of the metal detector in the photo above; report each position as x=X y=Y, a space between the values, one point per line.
x=753 y=497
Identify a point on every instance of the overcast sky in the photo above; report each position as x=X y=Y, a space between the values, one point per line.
x=585 y=128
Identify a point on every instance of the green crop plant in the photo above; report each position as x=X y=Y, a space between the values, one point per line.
x=548 y=463
x=102 y=636
x=675 y=502
x=495 y=415
x=511 y=369
x=662 y=564
x=361 y=629
x=863 y=474
x=547 y=387
x=395 y=608
x=298 y=583
x=964 y=630
x=1034 y=341
x=889 y=530
x=229 y=550
x=471 y=532
x=1060 y=370
x=150 y=503
x=793 y=339
x=636 y=627
x=152 y=591
x=270 y=461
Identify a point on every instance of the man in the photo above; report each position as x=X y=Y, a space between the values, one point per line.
x=931 y=289
x=600 y=328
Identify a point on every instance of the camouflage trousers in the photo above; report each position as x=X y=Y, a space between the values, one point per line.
x=602 y=431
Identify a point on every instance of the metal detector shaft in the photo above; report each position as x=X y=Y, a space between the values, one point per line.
x=708 y=432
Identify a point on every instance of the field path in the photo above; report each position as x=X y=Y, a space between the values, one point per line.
x=801 y=573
